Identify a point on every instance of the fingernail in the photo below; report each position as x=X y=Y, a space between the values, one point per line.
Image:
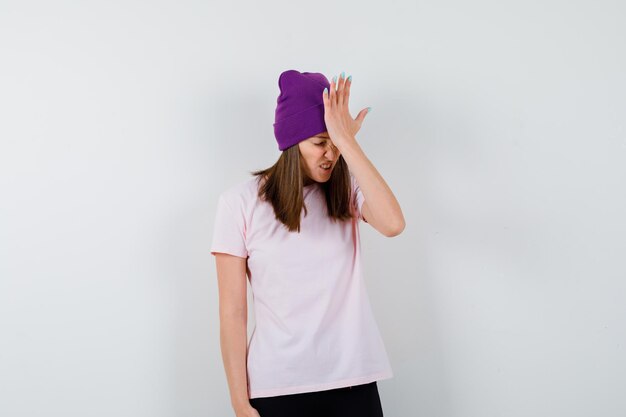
x=369 y=109
x=343 y=74
x=335 y=79
x=350 y=78
x=325 y=90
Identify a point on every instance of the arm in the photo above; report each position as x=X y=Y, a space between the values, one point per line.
x=233 y=307
x=380 y=207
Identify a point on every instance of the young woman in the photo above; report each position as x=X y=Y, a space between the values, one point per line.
x=293 y=230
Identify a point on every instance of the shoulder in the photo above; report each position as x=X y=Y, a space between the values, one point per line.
x=352 y=179
x=354 y=185
x=241 y=194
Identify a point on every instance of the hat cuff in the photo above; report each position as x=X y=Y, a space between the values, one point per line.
x=299 y=126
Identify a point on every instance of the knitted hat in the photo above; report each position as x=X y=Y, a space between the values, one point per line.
x=300 y=107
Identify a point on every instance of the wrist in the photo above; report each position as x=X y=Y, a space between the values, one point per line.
x=345 y=142
x=241 y=405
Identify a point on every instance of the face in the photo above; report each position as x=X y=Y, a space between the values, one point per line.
x=317 y=151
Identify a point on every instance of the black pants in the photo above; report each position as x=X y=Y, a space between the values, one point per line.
x=356 y=401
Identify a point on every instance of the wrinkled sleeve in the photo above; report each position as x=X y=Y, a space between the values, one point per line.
x=229 y=230
x=357 y=198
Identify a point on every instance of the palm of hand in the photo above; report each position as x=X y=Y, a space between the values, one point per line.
x=339 y=122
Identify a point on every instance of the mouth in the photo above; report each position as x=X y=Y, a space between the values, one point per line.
x=326 y=167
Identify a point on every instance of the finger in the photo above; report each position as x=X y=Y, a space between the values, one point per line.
x=325 y=98
x=361 y=116
x=346 y=93
x=340 y=90
x=333 y=93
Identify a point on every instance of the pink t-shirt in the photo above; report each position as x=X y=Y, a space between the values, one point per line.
x=315 y=328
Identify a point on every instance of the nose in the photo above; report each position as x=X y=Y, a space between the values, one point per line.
x=333 y=150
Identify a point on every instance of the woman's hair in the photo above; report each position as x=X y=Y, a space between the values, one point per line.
x=283 y=188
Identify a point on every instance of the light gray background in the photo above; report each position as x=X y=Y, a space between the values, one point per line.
x=499 y=125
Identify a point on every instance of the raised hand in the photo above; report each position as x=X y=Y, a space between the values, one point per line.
x=339 y=123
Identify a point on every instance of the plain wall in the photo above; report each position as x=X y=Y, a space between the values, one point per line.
x=499 y=126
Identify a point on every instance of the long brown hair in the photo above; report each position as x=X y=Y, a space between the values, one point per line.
x=283 y=188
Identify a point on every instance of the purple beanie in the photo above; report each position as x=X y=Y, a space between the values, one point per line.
x=300 y=107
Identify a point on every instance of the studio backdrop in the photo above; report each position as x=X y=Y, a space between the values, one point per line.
x=499 y=126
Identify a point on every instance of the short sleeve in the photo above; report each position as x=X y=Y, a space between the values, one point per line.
x=229 y=230
x=357 y=196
